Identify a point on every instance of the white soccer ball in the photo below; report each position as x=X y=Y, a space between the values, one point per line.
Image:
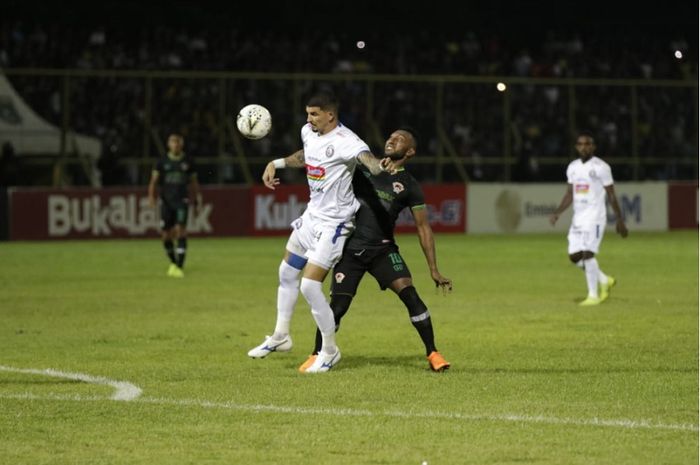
x=254 y=121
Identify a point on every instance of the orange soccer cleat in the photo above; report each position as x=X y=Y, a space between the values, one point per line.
x=309 y=361
x=438 y=362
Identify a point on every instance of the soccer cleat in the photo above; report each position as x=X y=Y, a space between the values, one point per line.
x=309 y=361
x=270 y=345
x=324 y=362
x=604 y=289
x=176 y=272
x=437 y=361
x=590 y=301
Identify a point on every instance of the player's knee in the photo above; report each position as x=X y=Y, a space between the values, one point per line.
x=340 y=303
x=414 y=304
x=310 y=288
x=398 y=285
x=289 y=276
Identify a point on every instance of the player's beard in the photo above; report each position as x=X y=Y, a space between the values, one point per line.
x=395 y=156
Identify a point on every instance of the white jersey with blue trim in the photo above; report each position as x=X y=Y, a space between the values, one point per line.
x=588 y=181
x=331 y=159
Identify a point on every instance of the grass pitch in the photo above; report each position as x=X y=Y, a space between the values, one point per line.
x=534 y=378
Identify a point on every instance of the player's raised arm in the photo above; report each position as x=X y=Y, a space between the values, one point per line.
x=375 y=165
x=427 y=243
x=563 y=205
x=295 y=160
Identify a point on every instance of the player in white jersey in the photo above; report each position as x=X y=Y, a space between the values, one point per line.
x=589 y=179
x=330 y=154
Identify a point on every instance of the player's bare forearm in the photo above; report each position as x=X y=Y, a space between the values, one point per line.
x=563 y=205
x=152 y=189
x=295 y=160
x=427 y=243
x=374 y=165
x=196 y=192
x=620 y=223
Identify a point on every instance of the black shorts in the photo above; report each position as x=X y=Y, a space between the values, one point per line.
x=385 y=264
x=172 y=213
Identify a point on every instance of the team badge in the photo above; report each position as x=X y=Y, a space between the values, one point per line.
x=330 y=151
x=592 y=174
x=339 y=277
x=184 y=167
x=398 y=187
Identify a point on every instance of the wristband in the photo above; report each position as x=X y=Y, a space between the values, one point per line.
x=279 y=163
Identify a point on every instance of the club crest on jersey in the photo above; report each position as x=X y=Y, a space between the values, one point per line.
x=398 y=187
x=339 y=277
x=315 y=173
x=184 y=166
x=330 y=151
x=592 y=174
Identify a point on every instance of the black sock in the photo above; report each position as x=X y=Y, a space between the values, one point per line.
x=181 y=251
x=420 y=317
x=340 y=303
x=169 y=250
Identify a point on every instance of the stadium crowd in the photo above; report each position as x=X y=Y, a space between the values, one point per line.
x=113 y=108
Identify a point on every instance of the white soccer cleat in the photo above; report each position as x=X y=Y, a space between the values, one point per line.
x=270 y=345
x=324 y=362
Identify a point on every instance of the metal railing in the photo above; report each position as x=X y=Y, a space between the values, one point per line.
x=472 y=131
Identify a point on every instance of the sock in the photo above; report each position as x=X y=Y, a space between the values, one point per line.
x=420 y=317
x=181 y=251
x=169 y=250
x=322 y=313
x=602 y=277
x=592 y=270
x=340 y=303
x=287 y=294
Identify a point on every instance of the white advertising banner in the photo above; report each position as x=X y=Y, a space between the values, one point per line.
x=525 y=208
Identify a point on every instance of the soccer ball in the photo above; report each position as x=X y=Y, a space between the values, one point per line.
x=254 y=121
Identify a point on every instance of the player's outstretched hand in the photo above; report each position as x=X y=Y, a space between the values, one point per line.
x=388 y=165
x=621 y=229
x=442 y=282
x=269 y=178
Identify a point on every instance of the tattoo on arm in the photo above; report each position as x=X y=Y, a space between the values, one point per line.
x=370 y=161
x=295 y=160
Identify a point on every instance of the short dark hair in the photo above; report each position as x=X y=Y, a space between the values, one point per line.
x=413 y=133
x=585 y=133
x=325 y=100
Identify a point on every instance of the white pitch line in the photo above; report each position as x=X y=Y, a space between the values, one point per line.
x=262 y=408
x=122 y=389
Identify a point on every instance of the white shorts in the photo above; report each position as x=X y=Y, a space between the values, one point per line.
x=321 y=242
x=585 y=237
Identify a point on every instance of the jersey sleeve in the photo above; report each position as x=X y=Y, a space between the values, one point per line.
x=354 y=147
x=570 y=174
x=416 y=198
x=605 y=175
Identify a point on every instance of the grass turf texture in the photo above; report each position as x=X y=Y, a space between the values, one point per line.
x=531 y=371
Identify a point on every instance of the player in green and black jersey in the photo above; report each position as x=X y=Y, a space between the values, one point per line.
x=372 y=247
x=174 y=173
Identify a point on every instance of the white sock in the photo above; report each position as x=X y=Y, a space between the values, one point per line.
x=602 y=277
x=592 y=270
x=287 y=294
x=321 y=311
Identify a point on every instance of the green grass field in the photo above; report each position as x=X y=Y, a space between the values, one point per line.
x=534 y=378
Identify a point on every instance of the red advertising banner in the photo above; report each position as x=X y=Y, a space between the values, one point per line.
x=447 y=209
x=682 y=205
x=273 y=211
x=86 y=213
